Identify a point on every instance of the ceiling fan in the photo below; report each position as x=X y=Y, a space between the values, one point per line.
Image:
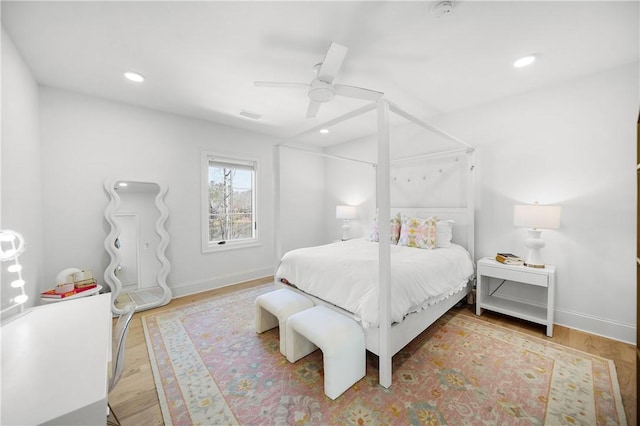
x=321 y=89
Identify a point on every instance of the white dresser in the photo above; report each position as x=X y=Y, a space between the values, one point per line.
x=55 y=361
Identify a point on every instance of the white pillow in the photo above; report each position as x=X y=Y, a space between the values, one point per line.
x=444 y=233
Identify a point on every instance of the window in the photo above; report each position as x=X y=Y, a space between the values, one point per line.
x=229 y=197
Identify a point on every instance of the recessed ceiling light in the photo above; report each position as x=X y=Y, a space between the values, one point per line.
x=324 y=131
x=134 y=76
x=524 y=61
x=123 y=184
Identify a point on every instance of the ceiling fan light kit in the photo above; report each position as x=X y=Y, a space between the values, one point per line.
x=321 y=89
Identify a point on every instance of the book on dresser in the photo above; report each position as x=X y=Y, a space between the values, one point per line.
x=509 y=259
x=51 y=294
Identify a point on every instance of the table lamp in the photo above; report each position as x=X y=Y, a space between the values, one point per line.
x=346 y=213
x=536 y=217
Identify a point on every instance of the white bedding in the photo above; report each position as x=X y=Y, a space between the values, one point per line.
x=346 y=275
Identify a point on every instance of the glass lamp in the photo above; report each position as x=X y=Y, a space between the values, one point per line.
x=346 y=213
x=536 y=217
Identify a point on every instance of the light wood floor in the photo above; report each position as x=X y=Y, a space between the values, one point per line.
x=135 y=400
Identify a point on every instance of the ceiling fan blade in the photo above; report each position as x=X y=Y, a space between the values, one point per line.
x=332 y=62
x=312 y=111
x=278 y=84
x=357 y=92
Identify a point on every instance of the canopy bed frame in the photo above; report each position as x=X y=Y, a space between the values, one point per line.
x=387 y=339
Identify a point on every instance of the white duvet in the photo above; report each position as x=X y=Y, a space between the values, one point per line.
x=346 y=275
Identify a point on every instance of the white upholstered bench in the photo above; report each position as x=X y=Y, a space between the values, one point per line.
x=341 y=340
x=272 y=310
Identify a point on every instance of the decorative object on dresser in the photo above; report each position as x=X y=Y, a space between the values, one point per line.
x=56 y=294
x=536 y=217
x=72 y=283
x=346 y=213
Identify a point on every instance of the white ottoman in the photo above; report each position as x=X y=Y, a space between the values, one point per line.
x=341 y=340
x=272 y=310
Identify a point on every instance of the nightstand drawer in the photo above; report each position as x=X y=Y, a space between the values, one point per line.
x=514 y=274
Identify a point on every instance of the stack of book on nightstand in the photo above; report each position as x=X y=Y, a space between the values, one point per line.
x=509 y=259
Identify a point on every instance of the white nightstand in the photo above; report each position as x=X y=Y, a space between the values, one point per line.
x=542 y=277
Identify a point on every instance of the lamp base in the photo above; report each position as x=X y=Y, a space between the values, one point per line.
x=345 y=230
x=535 y=244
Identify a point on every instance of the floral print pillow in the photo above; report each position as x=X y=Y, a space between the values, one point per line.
x=420 y=233
x=395 y=229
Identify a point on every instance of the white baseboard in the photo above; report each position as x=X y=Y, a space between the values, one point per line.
x=592 y=324
x=185 y=289
x=595 y=325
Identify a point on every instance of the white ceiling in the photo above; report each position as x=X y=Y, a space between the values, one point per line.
x=201 y=58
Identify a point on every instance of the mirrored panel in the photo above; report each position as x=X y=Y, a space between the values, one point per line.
x=136 y=243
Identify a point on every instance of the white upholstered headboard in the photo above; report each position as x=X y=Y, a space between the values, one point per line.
x=463 y=228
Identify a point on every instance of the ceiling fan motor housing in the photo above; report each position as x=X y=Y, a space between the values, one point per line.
x=321 y=91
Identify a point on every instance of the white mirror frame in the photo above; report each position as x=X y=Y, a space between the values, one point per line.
x=109 y=244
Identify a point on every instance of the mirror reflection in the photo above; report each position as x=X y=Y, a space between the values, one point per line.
x=136 y=243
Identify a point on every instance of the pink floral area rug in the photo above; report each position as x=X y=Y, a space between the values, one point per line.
x=212 y=368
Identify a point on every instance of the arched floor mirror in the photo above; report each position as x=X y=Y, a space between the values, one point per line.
x=136 y=244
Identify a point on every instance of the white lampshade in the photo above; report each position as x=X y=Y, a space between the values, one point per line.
x=345 y=212
x=537 y=216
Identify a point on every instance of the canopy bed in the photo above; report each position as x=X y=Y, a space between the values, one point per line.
x=387 y=294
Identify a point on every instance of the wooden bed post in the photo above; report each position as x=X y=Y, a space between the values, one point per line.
x=383 y=195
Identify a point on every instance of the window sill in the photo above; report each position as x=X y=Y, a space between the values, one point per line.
x=231 y=245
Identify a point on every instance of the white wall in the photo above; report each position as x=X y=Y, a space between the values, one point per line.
x=21 y=200
x=573 y=145
x=302 y=199
x=350 y=183
x=86 y=140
